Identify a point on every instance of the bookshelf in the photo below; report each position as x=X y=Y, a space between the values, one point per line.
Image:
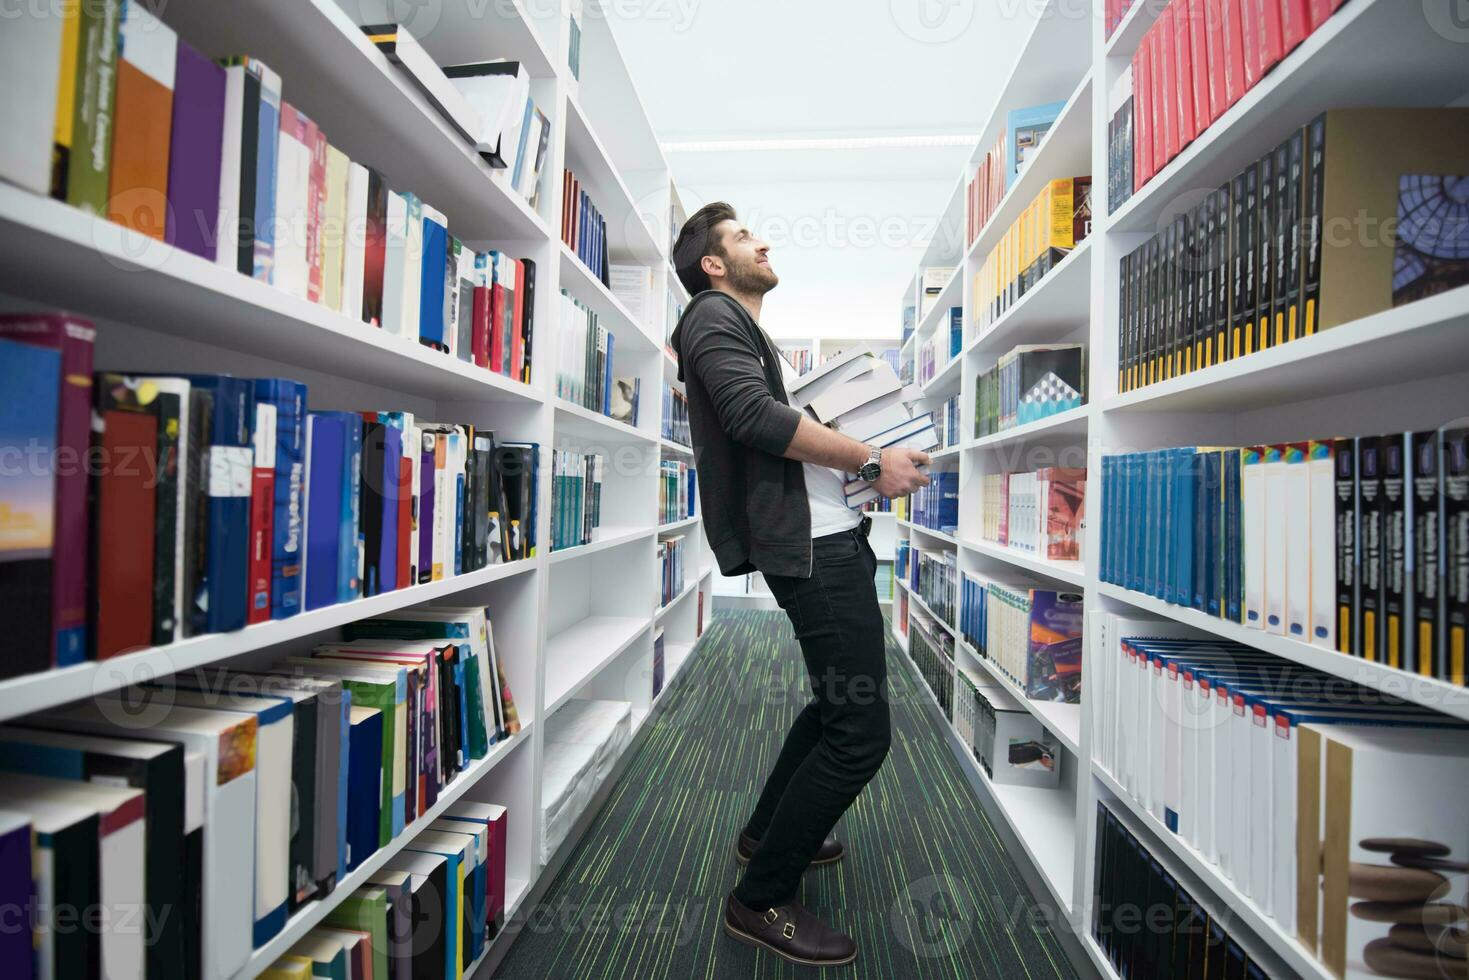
x=1400 y=369
x=574 y=623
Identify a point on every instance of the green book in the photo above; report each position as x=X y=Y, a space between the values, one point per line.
x=89 y=164
x=366 y=910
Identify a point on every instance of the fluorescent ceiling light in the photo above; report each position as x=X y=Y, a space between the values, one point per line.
x=822 y=143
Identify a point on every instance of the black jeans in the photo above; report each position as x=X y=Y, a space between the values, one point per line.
x=839 y=740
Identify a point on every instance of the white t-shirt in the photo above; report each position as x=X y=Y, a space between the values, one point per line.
x=829 y=510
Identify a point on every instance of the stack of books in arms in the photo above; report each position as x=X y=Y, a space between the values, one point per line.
x=1055 y=222
x=1251 y=266
x=584 y=366
x=584 y=228
x=671 y=565
x=676 y=416
x=1246 y=758
x=1032 y=634
x=859 y=395
x=677 y=491
x=1028 y=384
x=1356 y=545
x=225 y=502
x=1186 y=940
x=576 y=507
x=211 y=159
x=1196 y=60
x=222 y=801
x=1038 y=513
x=1010 y=744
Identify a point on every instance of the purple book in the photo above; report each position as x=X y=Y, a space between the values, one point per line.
x=16 y=892
x=194 y=152
x=74 y=338
x=426 y=511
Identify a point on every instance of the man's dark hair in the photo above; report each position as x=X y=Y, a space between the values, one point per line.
x=697 y=239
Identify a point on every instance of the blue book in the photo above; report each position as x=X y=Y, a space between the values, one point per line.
x=267 y=147
x=431 y=327
x=231 y=459
x=323 y=507
x=1025 y=130
x=365 y=761
x=344 y=783
x=289 y=399
x=956 y=330
x=349 y=580
x=1185 y=470
x=1233 y=569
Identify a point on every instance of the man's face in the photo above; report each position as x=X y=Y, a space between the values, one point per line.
x=746 y=259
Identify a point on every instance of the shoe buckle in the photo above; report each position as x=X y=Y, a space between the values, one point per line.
x=789 y=931
x=770 y=916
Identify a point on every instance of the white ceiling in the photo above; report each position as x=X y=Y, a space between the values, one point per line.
x=717 y=70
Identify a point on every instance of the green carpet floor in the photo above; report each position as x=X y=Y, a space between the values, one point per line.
x=926 y=886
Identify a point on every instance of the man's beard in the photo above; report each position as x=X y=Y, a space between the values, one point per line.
x=752 y=279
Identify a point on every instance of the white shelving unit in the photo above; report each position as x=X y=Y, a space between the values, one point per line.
x=1404 y=368
x=579 y=622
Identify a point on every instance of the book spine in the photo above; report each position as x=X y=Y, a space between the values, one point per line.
x=1396 y=551
x=267 y=154
x=289 y=400
x=1313 y=194
x=262 y=514
x=316 y=214
x=374 y=253
x=166 y=543
x=349 y=554
x=1427 y=550
x=89 y=169
x=1344 y=463
x=1455 y=466
x=1370 y=548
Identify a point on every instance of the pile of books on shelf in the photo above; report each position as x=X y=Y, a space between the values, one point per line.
x=584 y=365
x=678 y=491
x=1027 y=384
x=940 y=349
x=1039 y=513
x=576 y=505
x=1031 y=634
x=883 y=580
x=880 y=505
x=901 y=554
x=936 y=506
x=208 y=157
x=1290 y=783
x=1197 y=59
x=859 y=395
x=676 y=416
x=1056 y=221
x=671 y=553
x=1011 y=745
x=936 y=581
x=1356 y=545
x=1249 y=268
x=223 y=501
x=1183 y=940
x=302 y=770
x=633 y=287
x=1025 y=130
x=584 y=228
x=946 y=421
x=931 y=649
x=802 y=359
x=910 y=322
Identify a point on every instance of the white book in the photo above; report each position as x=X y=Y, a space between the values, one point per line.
x=1298 y=544
x=404 y=51
x=30 y=50
x=867 y=422
x=1323 y=545
x=227 y=251
x=292 y=187
x=275 y=721
x=332 y=232
x=1277 y=514
x=354 y=241
x=1252 y=534
x=512 y=140
x=496 y=91
x=855 y=391
x=229 y=792
x=525 y=166
x=412 y=268
x=836 y=365
x=394 y=262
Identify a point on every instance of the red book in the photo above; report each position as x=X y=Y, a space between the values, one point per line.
x=1214 y=48
x=480 y=336
x=124 y=534
x=1269 y=46
x=75 y=339
x=497 y=320
x=495 y=872
x=1319 y=10
x=517 y=336
x=1183 y=67
x=1295 y=24
x=315 y=212
x=1234 y=51
x=1168 y=82
x=405 y=518
x=262 y=514
x=1199 y=56
x=1142 y=130
x=1157 y=103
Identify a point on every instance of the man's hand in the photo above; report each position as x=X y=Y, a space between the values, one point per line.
x=900 y=475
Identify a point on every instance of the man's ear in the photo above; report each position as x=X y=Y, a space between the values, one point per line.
x=712 y=265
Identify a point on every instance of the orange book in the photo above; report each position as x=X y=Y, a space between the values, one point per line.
x=142 y=121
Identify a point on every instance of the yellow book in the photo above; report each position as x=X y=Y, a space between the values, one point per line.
x=66 y=95
x=334 y=229
x=288 y=968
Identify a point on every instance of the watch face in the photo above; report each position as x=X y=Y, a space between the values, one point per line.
x=870 y=471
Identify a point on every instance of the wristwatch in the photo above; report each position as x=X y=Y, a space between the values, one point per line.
x=872 y=469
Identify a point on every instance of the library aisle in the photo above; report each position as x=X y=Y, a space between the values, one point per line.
x=927 y=886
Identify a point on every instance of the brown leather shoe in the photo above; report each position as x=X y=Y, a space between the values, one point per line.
x=789 y=931
x=831 y=850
